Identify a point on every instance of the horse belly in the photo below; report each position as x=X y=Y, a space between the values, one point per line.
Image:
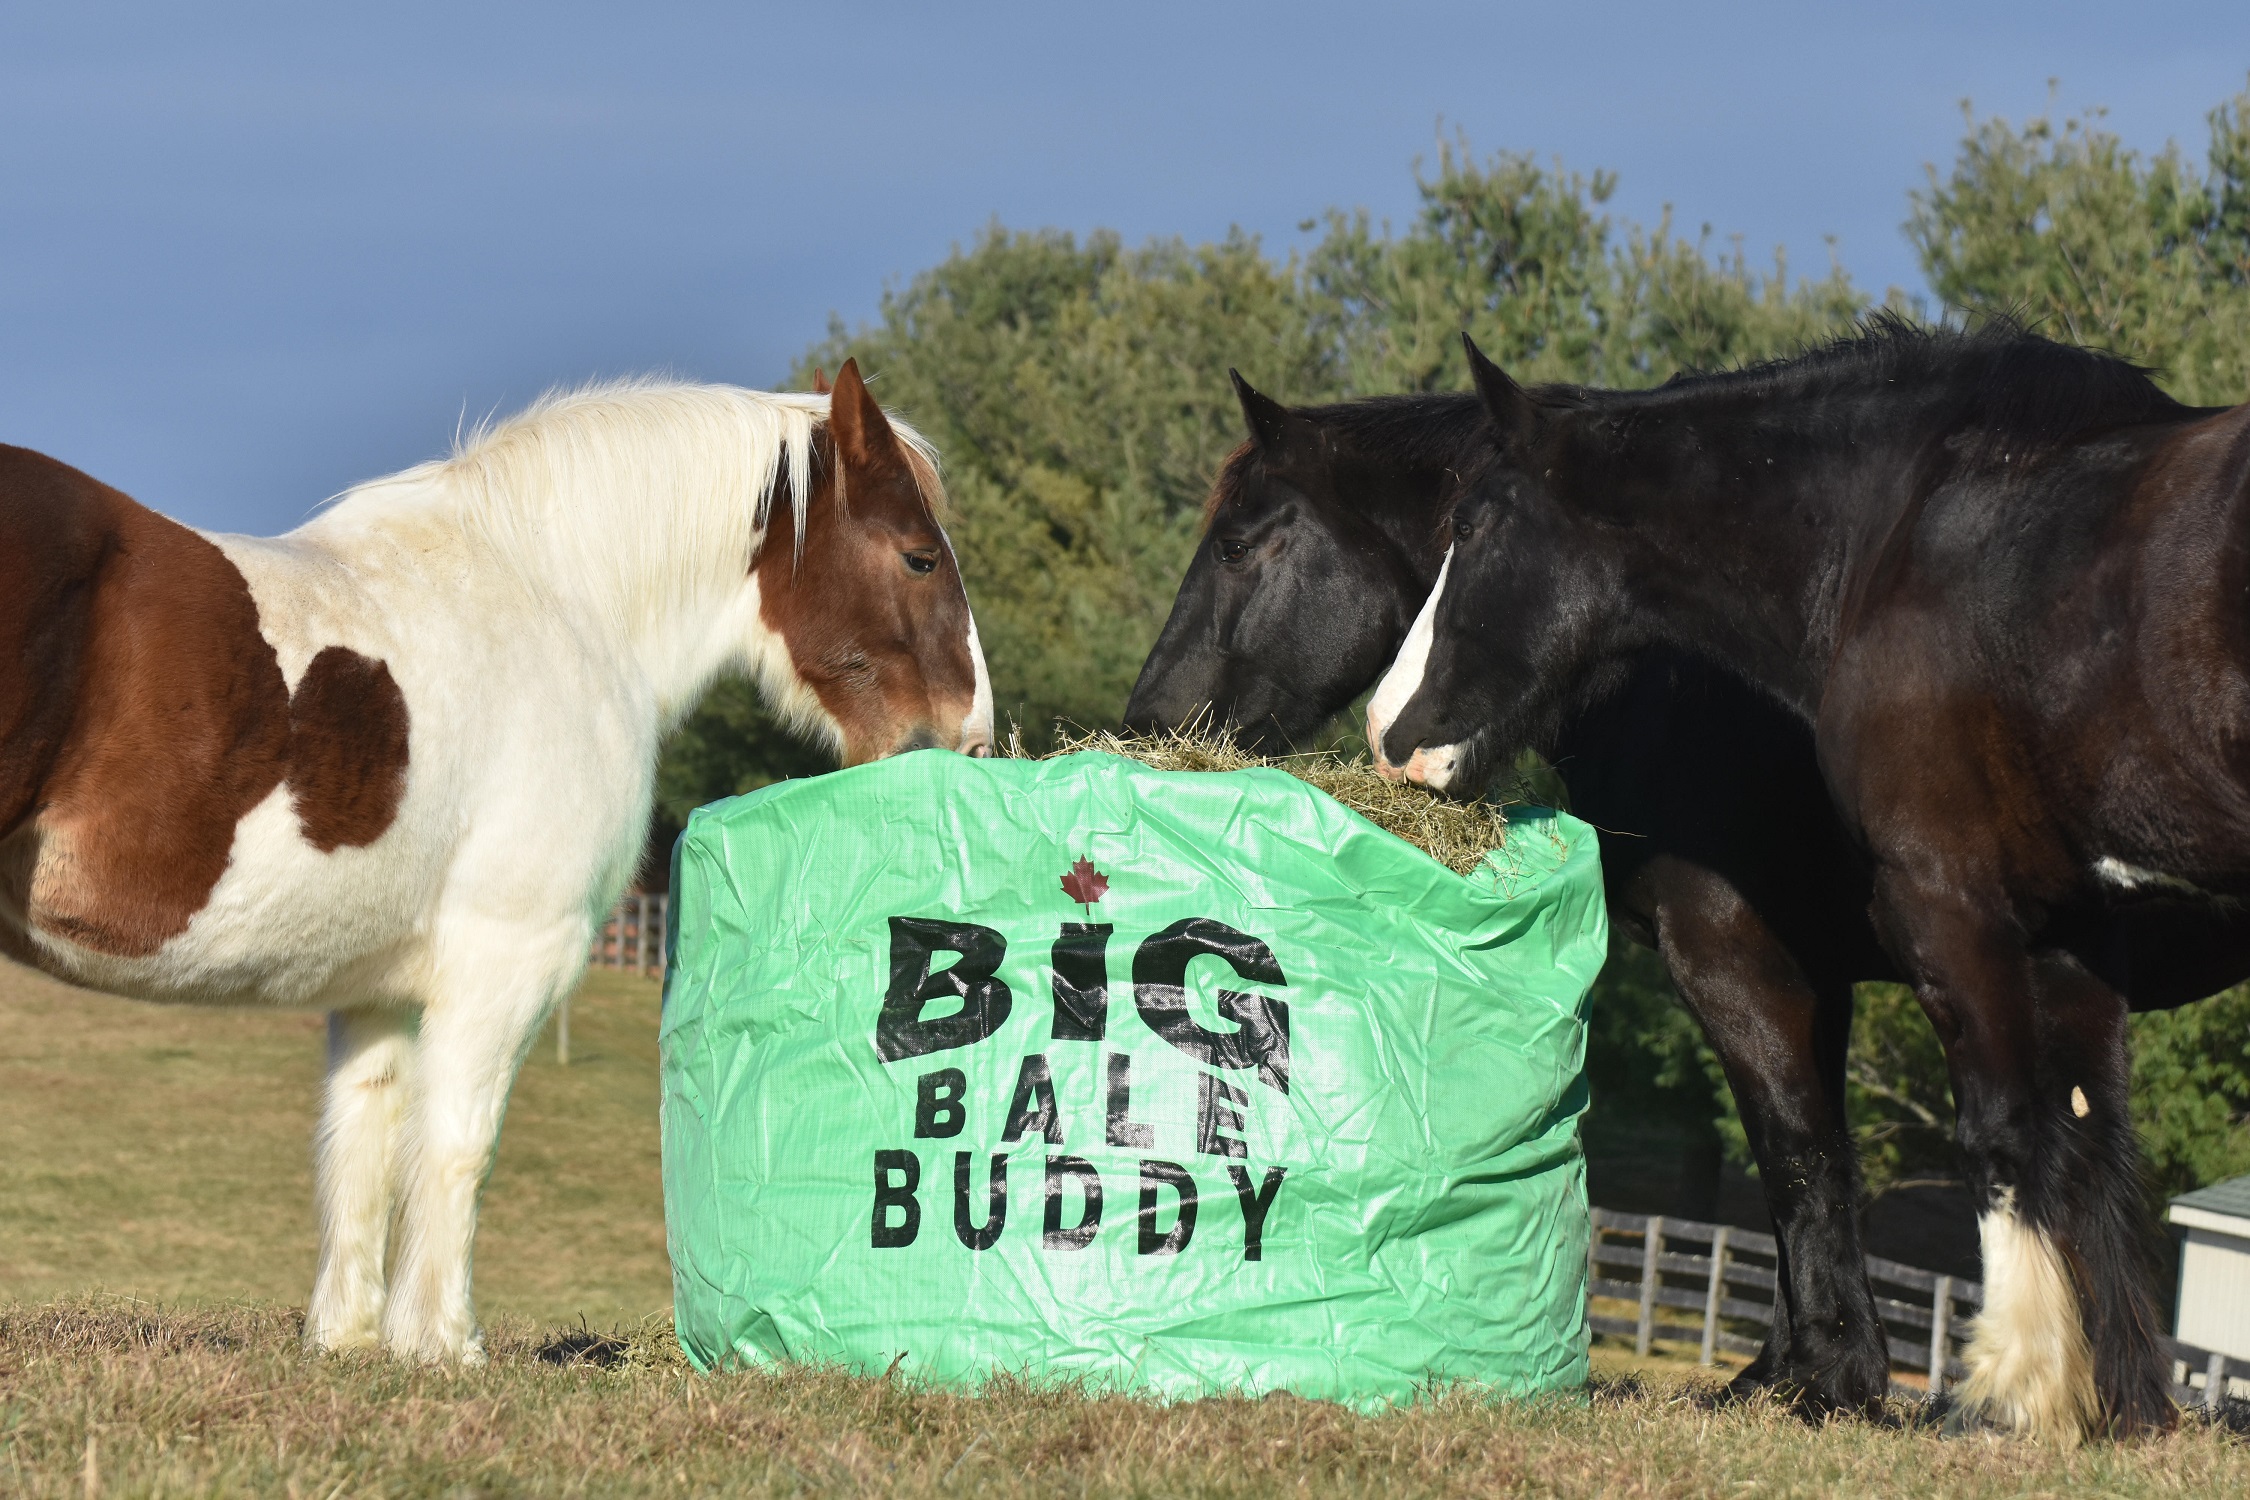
x=286 y=924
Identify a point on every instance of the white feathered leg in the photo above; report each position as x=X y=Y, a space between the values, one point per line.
x=355 y=1170
x=2030 y=1370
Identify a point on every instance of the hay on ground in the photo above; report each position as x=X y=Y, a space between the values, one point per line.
x=1455 y=834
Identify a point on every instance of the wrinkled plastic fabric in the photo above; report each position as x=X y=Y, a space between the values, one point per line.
x=1416 y=1085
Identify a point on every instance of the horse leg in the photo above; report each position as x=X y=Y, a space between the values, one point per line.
x=2036 y=1047
x=355 y=1157
x=1833 y=1346
x=475 y=1031
x=1781 y=1041
x=2092 y=1172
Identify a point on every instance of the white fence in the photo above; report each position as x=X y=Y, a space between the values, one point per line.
x=633 y=935
x=1727 y=1275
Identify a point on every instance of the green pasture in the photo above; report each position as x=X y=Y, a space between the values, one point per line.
x=165 y=1154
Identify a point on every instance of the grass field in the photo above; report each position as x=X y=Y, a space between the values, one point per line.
x=165 y=1153
x=155 y=1245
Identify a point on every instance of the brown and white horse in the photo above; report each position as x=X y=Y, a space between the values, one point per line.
x=394 y=764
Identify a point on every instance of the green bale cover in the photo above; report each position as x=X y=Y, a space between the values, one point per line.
x=1266 y=1099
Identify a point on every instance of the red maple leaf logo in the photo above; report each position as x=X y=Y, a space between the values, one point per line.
x=1085 y=884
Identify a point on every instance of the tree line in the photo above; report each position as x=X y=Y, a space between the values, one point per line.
x=1077 y=390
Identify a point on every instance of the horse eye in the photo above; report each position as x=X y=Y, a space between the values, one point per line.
x=1462 y=527
x=920 y=563
x=1233 y=552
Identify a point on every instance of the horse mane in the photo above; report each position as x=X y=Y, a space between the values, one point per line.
x=1423 y=430
x=569 y=478
x=2020 y=390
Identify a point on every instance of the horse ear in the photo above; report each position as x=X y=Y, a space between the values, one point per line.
x=861 y=432
x=1512 y=410
x=819 y=381
x=1267 y=419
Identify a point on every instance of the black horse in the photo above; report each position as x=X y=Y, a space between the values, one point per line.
x=1719 y=846
x=2002 y=583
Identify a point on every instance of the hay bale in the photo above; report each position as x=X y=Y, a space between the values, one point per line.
x=1379 y=1139
x=1455 y=834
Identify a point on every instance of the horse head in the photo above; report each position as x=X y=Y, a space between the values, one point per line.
x=1528 y=606
x=877 y=649
x=1299 y=592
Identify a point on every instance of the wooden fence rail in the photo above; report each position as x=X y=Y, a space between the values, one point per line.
x=1723 y=1274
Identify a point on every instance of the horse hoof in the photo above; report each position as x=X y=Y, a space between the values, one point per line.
x=341 y=1343
x=1960 y=1419
x=1812 y=1400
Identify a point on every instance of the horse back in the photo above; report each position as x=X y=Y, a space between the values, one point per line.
x=143 y=715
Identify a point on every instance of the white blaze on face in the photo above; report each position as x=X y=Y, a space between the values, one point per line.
x=1434 y=768
x=2029 y=1366
x=976 y=730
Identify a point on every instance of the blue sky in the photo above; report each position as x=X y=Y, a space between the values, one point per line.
x=251 y=254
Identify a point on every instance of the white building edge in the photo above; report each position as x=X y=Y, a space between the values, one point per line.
x=2215 y=1267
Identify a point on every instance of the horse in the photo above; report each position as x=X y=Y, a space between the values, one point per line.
x=1719 y=847
x=1998 y=579
x=395 y=764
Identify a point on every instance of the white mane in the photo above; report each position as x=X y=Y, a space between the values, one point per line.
x=642 y=492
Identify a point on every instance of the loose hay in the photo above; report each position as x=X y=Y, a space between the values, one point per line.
x=1455 y=834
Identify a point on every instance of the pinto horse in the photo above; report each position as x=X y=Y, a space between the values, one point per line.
x=395 y=764
x=2001 y=580
x=1719 y=846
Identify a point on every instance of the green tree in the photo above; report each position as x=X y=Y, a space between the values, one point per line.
x=2069 y=230
x=1897 y=1094
x=2191 y=1091
x=1523 y=259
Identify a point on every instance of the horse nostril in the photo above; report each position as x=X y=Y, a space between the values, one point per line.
x=923 y=738
x=981 y=750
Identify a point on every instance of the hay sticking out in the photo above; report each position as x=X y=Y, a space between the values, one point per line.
x=1455 y=834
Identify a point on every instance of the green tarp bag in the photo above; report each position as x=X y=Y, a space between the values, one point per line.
x=1181 y=1083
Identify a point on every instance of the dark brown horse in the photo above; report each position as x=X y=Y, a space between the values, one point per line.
x=1719 y=846
x=2003 y=582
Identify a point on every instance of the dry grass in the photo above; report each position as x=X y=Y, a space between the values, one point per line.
x=162 y=1153
x=1456 y=834
x=221 y=1402
x=166 y=1153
